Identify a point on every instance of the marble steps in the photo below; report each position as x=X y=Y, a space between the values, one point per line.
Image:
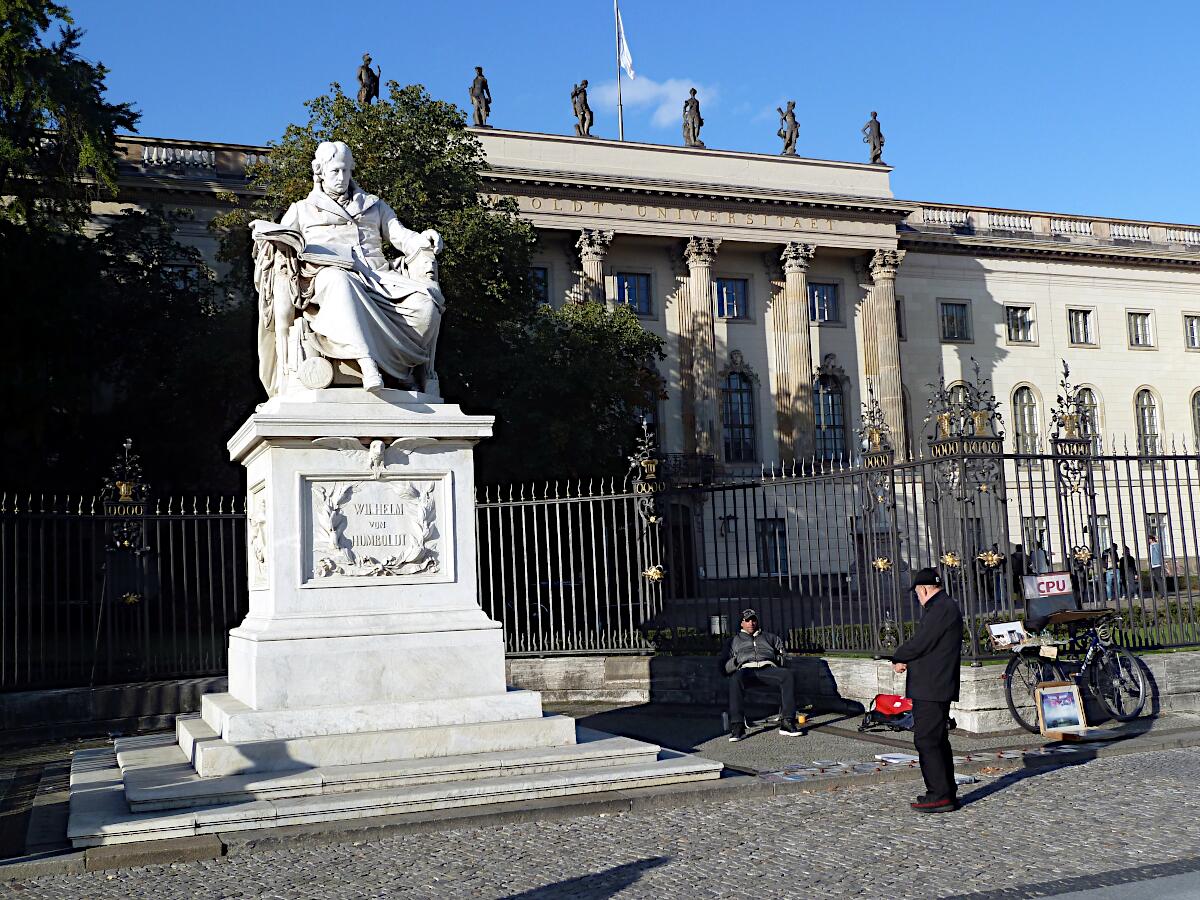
x=157 y=775
x=213 y=757
x=100 y=812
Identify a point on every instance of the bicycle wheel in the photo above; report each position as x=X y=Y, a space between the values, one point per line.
x=1021 y=678
x=1118 y=683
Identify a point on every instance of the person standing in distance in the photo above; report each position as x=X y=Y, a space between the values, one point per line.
x=932 y=658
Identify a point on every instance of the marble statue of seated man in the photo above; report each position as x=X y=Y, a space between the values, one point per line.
x=325 y=260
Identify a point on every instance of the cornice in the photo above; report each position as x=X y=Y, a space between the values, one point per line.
x=895 y=210
x=970 y=245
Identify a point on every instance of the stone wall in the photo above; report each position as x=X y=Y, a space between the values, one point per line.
x=827 y=683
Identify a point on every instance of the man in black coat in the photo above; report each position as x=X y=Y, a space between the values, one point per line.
x=932 y=658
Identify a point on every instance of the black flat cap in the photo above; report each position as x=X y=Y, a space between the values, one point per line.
x=927 y=576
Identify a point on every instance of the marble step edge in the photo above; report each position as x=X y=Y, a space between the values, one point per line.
x=158 y=779
x=99 y=814
x=214 y=757
x=238 y=723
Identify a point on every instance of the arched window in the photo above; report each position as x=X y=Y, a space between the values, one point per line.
x=830 y=415
x=737 y=417
x=1196 y=419
x=1146 y=409
x=1025 y=420
x=1089 y=424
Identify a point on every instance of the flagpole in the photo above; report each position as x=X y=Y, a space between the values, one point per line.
x=620 y=109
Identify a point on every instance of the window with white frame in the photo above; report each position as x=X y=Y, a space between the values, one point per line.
x=1025 y=420
x=772 y=547
x=1158 y=524
x=1191 y=332
x=1089 y=424
x=830 y=417
x=1033 y=531
x=1196 y=419
x=1019 y=323
x=1103 y=534
x=955 y=316
x=1141 y=329
x=731 y=298
x=1081 y=323
x=737 y=417
x=539 y=281
x=823 y=302
x=633 y=289
x=1146 y=409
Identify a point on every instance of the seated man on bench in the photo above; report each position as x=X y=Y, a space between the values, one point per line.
x=753 y=656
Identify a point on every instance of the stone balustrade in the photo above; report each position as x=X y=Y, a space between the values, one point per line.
x=1188 y=236
x=253 y=159
x=1010 y=221
x=1080 y=227
x=1129 y=231
x=178 y=156
x=937 y=215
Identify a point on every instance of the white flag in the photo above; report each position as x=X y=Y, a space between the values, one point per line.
x=623 y=55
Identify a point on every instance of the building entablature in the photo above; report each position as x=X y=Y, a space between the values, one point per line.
x=987 y=231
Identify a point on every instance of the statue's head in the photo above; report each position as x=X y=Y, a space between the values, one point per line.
x=366 y=57
x=583 y=84
x=479 y=70
x=333 y=167
x=874 y=114
x=692 y=92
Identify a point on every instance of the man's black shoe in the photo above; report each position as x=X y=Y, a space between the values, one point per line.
x=789 y=727
x=949 y=804
x=737 y=733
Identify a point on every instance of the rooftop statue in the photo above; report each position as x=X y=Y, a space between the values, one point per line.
x=789 y=128
x=583 y=112
x=481 y=99
x=692 y=121
x=368 y=81
x=873 y=135
x=327 y=292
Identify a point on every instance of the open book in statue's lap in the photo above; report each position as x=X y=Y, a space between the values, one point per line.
x=327 y=292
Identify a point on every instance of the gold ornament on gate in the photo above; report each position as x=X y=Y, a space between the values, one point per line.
x=882 y=564
x=654 y=573
x=951 y=560
x=990 y=558
x=1083 y=555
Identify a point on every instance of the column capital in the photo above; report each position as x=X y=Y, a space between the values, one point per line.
x=796 y=257
x=885 y=263
x=593 y=243
x=701 y=251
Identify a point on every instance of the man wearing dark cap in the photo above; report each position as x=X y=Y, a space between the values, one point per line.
x=932 y=657
x=754 y=656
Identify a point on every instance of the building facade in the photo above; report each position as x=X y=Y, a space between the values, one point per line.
x=782 y=286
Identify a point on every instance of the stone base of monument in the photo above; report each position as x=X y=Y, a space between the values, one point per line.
x=366 y=679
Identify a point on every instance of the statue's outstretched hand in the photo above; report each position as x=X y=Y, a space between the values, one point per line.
x=434 y=239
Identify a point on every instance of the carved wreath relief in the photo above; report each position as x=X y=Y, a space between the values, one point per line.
x=378 y=527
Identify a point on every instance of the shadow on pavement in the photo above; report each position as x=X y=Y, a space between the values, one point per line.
x=598 y=886
x=1031 y=770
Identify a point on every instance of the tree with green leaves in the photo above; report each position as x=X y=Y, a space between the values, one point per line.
x=57 y=132
x=564 y=384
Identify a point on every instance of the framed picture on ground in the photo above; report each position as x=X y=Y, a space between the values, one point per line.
x=1060 y=708
x=1006 y=635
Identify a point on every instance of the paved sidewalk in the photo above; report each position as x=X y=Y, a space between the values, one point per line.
x=1033 y=832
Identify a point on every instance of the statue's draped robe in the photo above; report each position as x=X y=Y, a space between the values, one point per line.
x=369 y=310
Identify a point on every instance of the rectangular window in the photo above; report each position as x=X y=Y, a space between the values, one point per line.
x=539 y=280
x=823 y=302
x=186 y=279
x=772 y=547
x=956 y=320
x=1019 y=320
x=731 y=298
x=901 y=334
x=1081 y=324
x=1191 y=332
x=1158 y=525
x=1033 y=530
x=633 y=289
x=1103 y=534
x=1141 y=332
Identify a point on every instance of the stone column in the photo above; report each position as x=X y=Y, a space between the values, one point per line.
x=593 y=247
x=697 y=355
x=791 y=376
x=881 y=344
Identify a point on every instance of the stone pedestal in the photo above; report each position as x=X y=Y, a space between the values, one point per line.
x=366 y=665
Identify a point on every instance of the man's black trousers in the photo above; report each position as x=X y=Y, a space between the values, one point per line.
x=932 y=737
x=772 y=676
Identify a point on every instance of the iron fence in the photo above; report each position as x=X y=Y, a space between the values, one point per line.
x=96 y=592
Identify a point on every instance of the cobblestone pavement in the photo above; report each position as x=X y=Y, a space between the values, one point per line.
x=1098 y=822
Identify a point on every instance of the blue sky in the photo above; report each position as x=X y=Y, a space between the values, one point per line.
x=1062 y=105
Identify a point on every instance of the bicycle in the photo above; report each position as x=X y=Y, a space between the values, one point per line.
x=1112 y=674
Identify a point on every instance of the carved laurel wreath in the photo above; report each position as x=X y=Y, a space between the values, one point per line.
x=418 y=555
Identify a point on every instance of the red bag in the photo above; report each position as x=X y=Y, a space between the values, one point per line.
x=888 y=711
